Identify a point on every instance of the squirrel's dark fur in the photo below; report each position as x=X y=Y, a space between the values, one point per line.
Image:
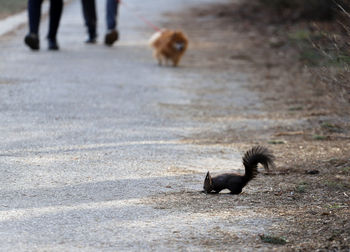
x=235 y=182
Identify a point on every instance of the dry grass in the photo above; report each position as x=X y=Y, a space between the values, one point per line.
x=308 y=193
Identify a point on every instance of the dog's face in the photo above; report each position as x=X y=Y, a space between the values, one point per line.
x=178 y=41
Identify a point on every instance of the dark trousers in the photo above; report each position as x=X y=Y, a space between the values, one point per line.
x=34 y=14
x=111 y=13
x=90 y=16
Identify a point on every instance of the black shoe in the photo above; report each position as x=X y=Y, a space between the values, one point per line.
x=52 y=44
x=32 y=41
x=111 y=37
x=91 y=40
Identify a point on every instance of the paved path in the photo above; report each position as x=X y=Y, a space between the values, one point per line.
x=88 y=133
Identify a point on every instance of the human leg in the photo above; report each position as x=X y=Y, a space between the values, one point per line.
x=56 y=7
x=90 y=18
x=111 y=20
x=34 y=13
x=111 y=14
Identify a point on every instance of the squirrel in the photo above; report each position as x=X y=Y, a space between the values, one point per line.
x=235 y=182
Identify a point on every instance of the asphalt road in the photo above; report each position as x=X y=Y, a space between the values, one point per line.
x=89 y=132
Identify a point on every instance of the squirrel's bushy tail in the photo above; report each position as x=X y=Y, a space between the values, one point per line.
x=252 y=157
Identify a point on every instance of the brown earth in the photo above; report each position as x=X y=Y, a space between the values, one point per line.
x=8 y=8
x=307 y=196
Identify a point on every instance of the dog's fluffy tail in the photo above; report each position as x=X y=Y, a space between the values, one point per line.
x=154 y=37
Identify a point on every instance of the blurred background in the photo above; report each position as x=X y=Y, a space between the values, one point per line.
x=10 y=7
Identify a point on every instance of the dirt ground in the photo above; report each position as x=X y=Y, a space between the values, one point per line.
x=11 y=7
x=307 y=194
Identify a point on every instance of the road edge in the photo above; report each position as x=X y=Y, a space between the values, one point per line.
x=15 y=21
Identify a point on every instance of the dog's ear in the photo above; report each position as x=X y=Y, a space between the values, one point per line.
x=182 y=35
x=173 y=35
x=177 y=33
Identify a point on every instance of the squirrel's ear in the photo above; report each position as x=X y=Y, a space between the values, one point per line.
x=207 y=183
x=208 y=178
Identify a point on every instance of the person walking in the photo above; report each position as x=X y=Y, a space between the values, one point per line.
x=34 y=13
x=90 y=17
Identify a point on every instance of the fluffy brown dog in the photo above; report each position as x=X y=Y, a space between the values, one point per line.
x=169 y=45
